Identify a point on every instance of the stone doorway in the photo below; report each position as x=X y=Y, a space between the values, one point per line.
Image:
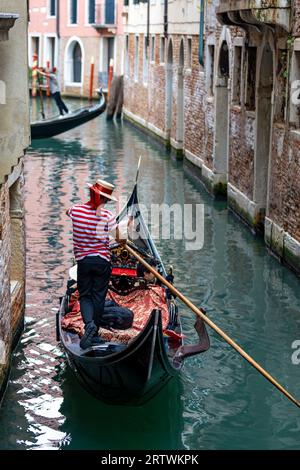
x=180 y=98
x=263 y=130
x=221 y=139
x=169 y=91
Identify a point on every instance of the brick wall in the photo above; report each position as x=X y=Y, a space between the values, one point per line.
x=284 y=190
x=146 y=100
x=12 y=267
x=5 y=311
x=296 y=18
x=241 y=151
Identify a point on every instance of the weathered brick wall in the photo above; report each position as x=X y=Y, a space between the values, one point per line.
x=295 y=15
x=198 y=112
x=12 y=267
x=149 y=102
x=5 y=311
x=241 y=150
x=145 y=100
x=284 y=189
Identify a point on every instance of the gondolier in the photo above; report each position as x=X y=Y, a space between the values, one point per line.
x=55 y=91
x=92 y=224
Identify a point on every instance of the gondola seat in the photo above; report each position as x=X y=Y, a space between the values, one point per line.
x=140 y=301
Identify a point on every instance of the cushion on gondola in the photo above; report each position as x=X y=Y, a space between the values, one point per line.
x=141 y=302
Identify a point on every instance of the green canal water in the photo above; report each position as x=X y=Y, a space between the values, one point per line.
x=219 y=401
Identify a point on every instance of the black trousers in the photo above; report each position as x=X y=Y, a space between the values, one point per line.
x=92 y=281
x=59 y=102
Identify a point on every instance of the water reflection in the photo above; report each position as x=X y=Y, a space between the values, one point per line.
x=93 y=425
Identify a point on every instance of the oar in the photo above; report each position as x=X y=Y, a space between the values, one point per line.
x=41 y=97
x=198 y=312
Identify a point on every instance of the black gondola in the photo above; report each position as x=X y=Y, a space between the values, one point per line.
x=130 y=374
x=52 y=127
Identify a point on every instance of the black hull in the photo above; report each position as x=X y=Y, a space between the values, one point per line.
x=129 y=377
x=53 y=127
x=132 y=374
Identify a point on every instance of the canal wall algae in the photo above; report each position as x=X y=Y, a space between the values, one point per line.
x=14 y=139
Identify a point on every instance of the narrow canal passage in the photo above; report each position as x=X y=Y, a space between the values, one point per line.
x=219 y=402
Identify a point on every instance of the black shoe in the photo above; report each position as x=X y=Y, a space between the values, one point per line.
x=86 y=340
x=96 y=341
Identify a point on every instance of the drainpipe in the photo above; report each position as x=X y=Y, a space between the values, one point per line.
x=201 y=33
x=148 y=23
x=57 y=20
x=166 y=18
x=58 y=33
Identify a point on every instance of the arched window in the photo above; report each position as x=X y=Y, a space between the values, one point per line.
x=77 y=58
x=74 y=54
x=224 y=60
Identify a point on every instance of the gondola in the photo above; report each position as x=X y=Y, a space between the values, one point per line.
x=52 y=127
x=131 y=372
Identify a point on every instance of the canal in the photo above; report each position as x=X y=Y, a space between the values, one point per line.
x=219 y=401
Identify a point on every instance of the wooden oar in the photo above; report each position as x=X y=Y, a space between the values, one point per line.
x=41 y=97
x=198 y=312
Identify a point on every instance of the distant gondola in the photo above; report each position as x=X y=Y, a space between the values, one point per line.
x=131 y=373
x=52 y=127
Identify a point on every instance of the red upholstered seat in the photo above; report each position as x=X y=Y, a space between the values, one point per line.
x=140 y=301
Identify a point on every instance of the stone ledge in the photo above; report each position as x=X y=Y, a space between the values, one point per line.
x=215 y=183
x=144 y=124
x=247 y=210
x=282 y=244
x=197 y=161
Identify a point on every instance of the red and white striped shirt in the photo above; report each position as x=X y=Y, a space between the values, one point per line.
x=90 y=231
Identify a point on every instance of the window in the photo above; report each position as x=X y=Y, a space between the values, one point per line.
x=210 y=69
x=73 y=11
x=136 y=59
x=35 y=49
x=251 y=79
x=127 y=56
x=295 y=89
x=162 y=50
x=224 y=61
x=77 y=66
x=237 y=75
x=145 y=60
x=109 y=11
x=153 y=49
x=91 y=11
x=49 y=54
x=189 y=53
x=52 y=7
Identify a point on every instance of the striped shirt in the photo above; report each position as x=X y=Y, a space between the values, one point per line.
x=90 y=231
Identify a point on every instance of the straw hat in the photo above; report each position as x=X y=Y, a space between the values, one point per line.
x=104 y=188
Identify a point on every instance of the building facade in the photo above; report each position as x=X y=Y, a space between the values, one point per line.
x=14 y=139
x=70 y=34
x=218 y=81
